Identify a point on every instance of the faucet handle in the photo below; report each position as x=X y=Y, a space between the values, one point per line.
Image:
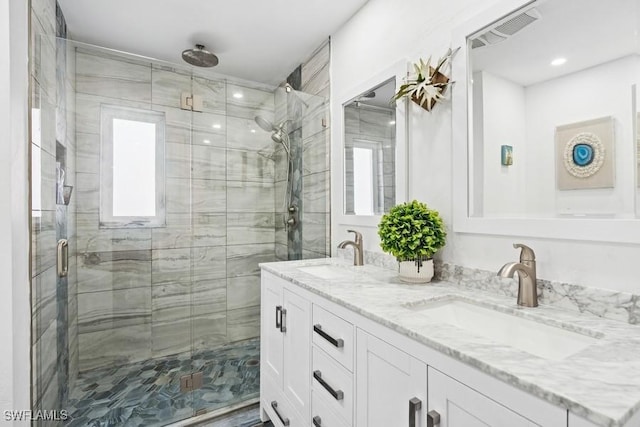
x=526 y=253
x=358 y=235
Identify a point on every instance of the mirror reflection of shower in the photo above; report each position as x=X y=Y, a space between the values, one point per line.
x=279 y=135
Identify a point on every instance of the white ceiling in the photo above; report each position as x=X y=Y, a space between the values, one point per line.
x=585 y=32
x=258 y=40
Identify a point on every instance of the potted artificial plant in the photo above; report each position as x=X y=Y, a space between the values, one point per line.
x=412 y=233
x=427 y=87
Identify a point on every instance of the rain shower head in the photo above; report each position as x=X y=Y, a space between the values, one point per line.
x=200 y=57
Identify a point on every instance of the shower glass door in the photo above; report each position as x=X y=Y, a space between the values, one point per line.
x=167 y=194
x=133 y=212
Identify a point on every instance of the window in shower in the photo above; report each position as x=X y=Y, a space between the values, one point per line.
x=132 y=168
x=366 y=167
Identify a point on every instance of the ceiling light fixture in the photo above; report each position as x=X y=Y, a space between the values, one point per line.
x=558 y=61
x=216 y=126
x=206 y=141
x=392 y=122
x=253 y=131
x=238 y=95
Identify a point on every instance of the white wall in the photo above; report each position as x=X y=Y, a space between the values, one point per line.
x=504 y=116
x=605 y=90
x=384 y=32
x=14 y=253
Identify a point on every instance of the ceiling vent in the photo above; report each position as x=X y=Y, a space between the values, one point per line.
x=505 y=29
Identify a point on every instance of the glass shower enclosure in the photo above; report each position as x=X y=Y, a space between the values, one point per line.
x=155 y=195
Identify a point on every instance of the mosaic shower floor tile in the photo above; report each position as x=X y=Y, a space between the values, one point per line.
x=148 y=393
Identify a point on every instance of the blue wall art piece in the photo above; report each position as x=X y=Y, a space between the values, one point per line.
x=506 y=155
x=585 y=154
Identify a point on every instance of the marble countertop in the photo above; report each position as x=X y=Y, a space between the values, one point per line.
x=600 y=383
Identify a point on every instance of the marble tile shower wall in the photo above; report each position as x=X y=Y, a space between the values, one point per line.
x=194 y=284
x=54 y=307
x=362 y=123
x=314 y=136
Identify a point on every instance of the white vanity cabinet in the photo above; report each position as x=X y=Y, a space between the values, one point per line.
x=392 y=385
x=457 y=405
x=332 y=389
x=323 y=365
x=285 y=353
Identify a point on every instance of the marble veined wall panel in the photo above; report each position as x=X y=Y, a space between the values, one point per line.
x=194 y=282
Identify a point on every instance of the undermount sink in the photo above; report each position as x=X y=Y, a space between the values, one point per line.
x=533 y=337
x=327 y=271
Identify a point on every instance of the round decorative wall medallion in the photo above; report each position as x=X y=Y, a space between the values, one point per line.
x=584 y=155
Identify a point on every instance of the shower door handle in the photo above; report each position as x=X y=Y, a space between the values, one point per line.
x=63 y=258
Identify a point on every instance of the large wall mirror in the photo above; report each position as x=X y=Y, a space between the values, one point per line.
x=370 y=168
x=370 y=150
x=545 y=116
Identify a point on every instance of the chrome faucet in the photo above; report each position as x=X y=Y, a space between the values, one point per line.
x=357 y=247
x=526 y=268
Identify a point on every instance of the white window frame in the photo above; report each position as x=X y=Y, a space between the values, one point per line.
x=109 y=113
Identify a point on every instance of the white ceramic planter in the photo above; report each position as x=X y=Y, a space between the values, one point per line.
x=412 y=272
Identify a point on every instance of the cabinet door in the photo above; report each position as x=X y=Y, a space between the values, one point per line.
x=461 y=406
x=297 y=347
x=271 y=339
x=387 y=381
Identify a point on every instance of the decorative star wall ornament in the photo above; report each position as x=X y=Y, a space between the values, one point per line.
x=428 y=86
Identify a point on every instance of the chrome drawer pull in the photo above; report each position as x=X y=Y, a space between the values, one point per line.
x=337 y=394
x=415 y=405
x=336 y=342
x=285 y=421
x=317 y=421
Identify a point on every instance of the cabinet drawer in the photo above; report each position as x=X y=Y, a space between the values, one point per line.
x=279 y=409
x=322 y=414
x=334 y=335
x=332 y=381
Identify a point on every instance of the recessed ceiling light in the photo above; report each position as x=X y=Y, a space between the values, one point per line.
x=253 y=131
x=238 y=95
x=216 y=126
x=558 y=61
x=206 y=141
x=392 y=122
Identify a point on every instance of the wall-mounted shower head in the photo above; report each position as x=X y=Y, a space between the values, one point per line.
x=200 y=57
x=265 y=124
x=279 y=134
